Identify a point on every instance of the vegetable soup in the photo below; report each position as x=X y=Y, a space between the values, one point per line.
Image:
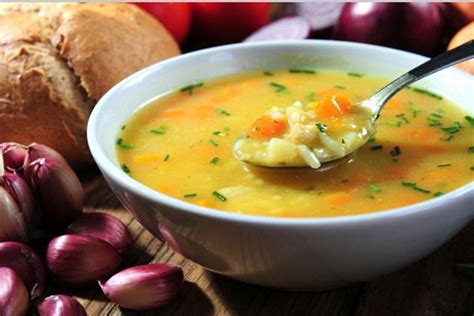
x=181 y=144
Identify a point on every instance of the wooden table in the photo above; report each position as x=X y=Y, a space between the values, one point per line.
x=428 y=287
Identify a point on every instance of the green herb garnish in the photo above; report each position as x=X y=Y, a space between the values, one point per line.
x=471 y=149
x=393 y=124
x=190 y=88
x=425 y=92
x=421 y=190
x=123 y=145
x=219 y=196
x=372 y=187
x=213 y=143
x=125 y=168
x=345 y=180
x=470 y=119
x=402 y=117
x=222 y=112
x=190 y=195
x=123 y=127
x=214 y=160
x=159 y=131
x=278 y=87
x=377 y=147
x=167 y=157
x=340 y=87
x=438 y=194
x=268 y=73
x=322 y=127
x=301 y=71
x=444 y=165
x=310 y=96
x=409 y=184
x=355 y=74
x=414 y=111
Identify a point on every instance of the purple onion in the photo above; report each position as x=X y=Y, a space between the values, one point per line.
x=13 y=295
x=283 y=29
x=13 y=156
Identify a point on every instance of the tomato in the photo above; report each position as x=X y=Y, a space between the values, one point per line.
x=175 y=16
x=219 y=23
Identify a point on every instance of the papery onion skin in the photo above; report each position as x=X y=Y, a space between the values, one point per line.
x=36 y=151
x=13 y=156
x=13 y=225
x=60 y=305
x=26 y=264
x=20 y=191
x=58 y=191
x=76 y=261
x=105 y=227
x=144 y=287
x=14 y=299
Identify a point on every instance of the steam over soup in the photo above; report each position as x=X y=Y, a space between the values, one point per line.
x=181 y=144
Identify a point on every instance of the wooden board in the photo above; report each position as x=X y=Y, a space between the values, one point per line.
x=428 y=287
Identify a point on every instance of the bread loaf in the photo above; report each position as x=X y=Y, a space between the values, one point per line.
x=57 y=60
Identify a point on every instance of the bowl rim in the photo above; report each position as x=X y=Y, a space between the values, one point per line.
x=111 y=170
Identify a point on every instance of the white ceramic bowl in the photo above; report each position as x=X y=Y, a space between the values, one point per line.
x=298 y=254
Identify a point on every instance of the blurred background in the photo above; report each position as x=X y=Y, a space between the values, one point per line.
x=423 y=28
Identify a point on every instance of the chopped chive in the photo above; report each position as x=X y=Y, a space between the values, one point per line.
x=123 y=145
x=268 y=73
x=472 y=168
x=343 y=141
x=301 y=71
x=370 y=196
x=396 y=151
x=444 y=165
x=125 y=168
x=452 y=129
x=278 y=87
x=372 y=187
x=372 y=139
x=190 y=88
x=159 y=131
x=213 y=143
x=426 y=92
x=394 y=124
x=471 y=149
x=340 y=87
x=123 y=127
x=190 y=195
x=222 y=112
x=216 y=133
x=219 y=196
x=438 y=194
x=345 y=180
x=322 y=127
x=167 y=157
x=470 y=119
x=377 y=147
x=436 y=115
x=447 y=139
x=421 y=190
x=402 y=117
x=409 y=184
x=310 y=96
x=434 y=124
x=414 y=111
x=214 y=160
x=355 y=74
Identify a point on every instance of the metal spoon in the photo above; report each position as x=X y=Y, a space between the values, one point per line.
x=375 y=103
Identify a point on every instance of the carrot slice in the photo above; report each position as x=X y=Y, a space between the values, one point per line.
x=338 y=199
x=267 y=127
x=333 y=105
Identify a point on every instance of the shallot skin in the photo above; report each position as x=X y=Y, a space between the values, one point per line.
x=14 y=298
x=60 y=305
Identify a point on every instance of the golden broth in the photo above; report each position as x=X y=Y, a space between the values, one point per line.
x=181 y=145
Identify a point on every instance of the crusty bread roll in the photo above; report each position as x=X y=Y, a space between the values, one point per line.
x=57 y=60
x=464 y=35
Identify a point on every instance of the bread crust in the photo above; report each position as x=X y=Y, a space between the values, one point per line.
x=57 y=60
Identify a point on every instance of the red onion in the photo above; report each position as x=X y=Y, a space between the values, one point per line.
x=13 y=224
x=60 y=305
x=105 y=227
x=76 y=260
x=144 y=287
x=26 y=263
x=13 y=155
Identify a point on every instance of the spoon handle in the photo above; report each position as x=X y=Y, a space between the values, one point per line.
x=447 y=59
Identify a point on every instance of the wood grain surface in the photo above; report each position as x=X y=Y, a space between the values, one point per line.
x=431 y=286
